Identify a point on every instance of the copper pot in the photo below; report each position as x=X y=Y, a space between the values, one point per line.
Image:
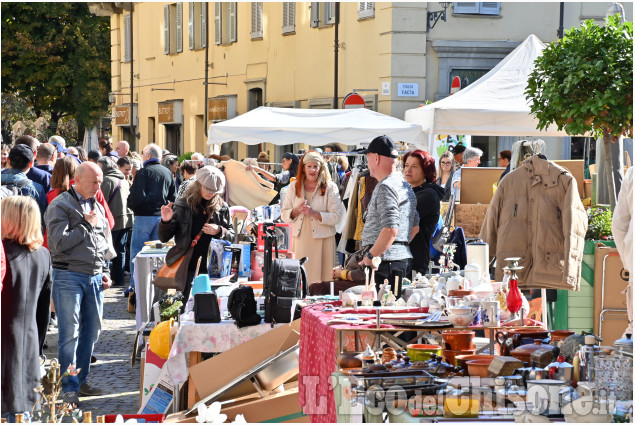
x=557 y=336
x=523 y=353
x=458 y=340
x=349 y=359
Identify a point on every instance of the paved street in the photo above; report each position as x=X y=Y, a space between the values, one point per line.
x=112 y=372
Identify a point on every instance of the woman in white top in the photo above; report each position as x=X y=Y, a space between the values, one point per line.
x=314 y=206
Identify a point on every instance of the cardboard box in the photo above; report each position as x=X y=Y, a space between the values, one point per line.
x=276 y=408
x=470 y=217
x=477 y=184
x=576 y=168
x=609 y=268
x=215 y=373
x=283 y=231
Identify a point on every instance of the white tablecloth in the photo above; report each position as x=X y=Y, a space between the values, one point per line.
x=206 y=338
x=145 y=292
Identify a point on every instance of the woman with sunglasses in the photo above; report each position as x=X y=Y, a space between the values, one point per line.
x=445 y=172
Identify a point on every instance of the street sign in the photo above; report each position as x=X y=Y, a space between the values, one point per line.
x=408 y=89
x=456 y=85
x=353 y=101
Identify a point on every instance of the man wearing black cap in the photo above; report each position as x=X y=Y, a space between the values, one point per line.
x=458 y=150
x=391 y=218
x=14 y=179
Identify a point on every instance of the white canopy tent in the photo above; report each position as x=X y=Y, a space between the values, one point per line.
x=316 y=127
x=494 y=105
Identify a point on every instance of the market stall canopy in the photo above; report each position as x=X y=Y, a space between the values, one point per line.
x=316 y=127
x=494 y=105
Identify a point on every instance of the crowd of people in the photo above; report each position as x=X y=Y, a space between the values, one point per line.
x=64 y=212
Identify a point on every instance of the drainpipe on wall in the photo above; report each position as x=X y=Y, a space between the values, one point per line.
x=132 y=126
x=337 y=48
x=206 y=66
x=561 y=27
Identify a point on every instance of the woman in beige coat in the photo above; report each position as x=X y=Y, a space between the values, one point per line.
x=314 y=207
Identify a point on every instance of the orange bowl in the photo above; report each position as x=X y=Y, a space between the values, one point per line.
x=478 y=367
x=450 y=355
x=462 y=359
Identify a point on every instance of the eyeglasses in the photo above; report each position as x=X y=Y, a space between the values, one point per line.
x=446 y=163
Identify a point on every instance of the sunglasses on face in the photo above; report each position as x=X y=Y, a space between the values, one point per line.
x=446 y=163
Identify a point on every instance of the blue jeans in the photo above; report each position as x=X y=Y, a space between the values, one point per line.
x=79 y=301
x=117 y=264
x=145 y=228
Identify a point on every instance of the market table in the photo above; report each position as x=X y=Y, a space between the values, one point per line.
x=147 y=261
x=319 y=349
x=195 y=338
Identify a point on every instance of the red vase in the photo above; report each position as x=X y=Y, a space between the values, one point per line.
x=514 y=297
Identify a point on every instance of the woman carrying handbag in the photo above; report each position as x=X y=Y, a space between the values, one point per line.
x=194 y=219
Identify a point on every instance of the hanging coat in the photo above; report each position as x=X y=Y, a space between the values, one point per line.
x=536 y=214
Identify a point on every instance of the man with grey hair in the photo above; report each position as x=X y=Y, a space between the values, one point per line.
x=471 y=158
x=123 y=148
x=153 y=186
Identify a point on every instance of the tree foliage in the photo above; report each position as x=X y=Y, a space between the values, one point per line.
x=56 y=56
x=584 y=82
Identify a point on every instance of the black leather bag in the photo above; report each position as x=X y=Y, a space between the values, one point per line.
x=206 y=308
x=242 y=306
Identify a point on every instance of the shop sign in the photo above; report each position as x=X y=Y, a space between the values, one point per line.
x=217 y=109
x=166 y=112
x=122 y=115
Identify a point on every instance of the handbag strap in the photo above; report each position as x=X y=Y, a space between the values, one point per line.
x=114 y=192
x=195 y=241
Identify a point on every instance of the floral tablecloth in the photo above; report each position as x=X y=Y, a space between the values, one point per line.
x=206 y=338
x=318 y=353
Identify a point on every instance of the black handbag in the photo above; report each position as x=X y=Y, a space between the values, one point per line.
x=443 y=235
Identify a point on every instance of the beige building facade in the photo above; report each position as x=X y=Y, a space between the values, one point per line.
x=283 y=54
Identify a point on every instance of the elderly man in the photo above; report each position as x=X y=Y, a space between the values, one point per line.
x=391 y=219
x=471 y=158
x=123 y=148
x=76 y=225
x=152 y=187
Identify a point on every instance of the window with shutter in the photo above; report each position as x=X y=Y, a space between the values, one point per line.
x=366 y=9
x=231 y=28
x=203 y=31
x=288 y=17
x=256 y=20
x=218 y=30
x=315 y=14
x=179 y=27
x=466 y=7
x=190 y=25
x=490 y=8
x=166 y=29
x=477 y=8
x=329 y=13
x=127 y=36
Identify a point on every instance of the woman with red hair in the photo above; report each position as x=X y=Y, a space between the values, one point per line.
x=314 y=206
x=419 y=170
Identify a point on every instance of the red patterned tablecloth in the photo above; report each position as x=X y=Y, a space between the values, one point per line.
x=318 y=353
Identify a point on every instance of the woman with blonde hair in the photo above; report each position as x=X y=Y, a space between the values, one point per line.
x=200 y=214
x=26 y=295
x=445 y=173
x=314 y=206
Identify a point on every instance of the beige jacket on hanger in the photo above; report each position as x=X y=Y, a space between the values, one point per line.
x=536 y=214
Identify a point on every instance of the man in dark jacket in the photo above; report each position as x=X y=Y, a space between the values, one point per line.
x=76 y=225
x=46 y=155
x=153 y=187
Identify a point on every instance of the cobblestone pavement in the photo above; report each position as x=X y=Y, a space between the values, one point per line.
x=112 y=372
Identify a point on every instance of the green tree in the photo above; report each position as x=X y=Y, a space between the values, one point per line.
x=56 y=56
x=584 y=83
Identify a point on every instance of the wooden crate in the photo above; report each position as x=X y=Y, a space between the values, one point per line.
x=470 y=217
